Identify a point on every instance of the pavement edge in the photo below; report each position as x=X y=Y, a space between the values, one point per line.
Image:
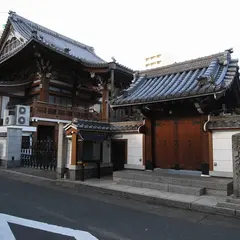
x=84 y=187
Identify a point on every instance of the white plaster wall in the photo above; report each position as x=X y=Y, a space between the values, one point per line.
x=222 y=150
x=134 y=149
x=106 y=152
x=3 y=148
x=96 y=151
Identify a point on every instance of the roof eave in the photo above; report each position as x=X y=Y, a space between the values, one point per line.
x=166 y=100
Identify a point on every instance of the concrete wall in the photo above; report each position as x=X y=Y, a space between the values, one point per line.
x=222 y=153
x=3 y=148
x=134 y=150
x=14 y=142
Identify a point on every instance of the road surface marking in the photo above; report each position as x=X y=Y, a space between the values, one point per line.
x=5 y=229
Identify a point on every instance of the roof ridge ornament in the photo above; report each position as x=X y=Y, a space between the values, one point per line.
x=230 y=50
x=11 y=12
x=34 y=33
x=135 y=76
x=67 y=50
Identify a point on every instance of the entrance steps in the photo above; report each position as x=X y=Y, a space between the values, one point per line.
x=175 y=183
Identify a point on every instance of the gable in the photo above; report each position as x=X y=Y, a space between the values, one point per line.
x=11 y=40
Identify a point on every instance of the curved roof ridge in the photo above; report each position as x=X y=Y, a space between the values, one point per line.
x=206 y=75
x=190 y=64
x=37 y=26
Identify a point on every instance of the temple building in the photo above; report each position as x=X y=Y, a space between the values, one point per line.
x=52 y=78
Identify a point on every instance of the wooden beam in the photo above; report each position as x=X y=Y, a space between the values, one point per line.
x=71 y=130
x=96 y=70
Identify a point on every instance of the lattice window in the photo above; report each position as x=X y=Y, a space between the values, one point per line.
x=10 y=45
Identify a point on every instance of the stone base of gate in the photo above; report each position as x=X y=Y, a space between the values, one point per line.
x=61 y=172
x=90 y=171
x=10 y=163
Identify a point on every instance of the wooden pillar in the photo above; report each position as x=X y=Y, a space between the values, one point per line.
x=105 y=104
x=112 y=84
x=210 y=151
x=74 y=92
x=60 y=150
x=79 y=149
x=44 y=92
x=149 y=151
x=74 y=149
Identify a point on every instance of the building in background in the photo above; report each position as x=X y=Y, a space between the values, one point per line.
x=158 y=60
x=153 y=61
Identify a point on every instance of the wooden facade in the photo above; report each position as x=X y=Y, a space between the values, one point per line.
x=58 y=83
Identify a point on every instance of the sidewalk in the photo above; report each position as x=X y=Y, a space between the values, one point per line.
x=205 y=203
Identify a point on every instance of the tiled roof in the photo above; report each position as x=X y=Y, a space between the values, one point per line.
x=198 y=77
x=57 y=42
x=28 y=29
x=88 y=125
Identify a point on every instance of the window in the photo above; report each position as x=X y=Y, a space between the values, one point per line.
x=34 y=89
x=11 y=45
x=51 y=99
x=66 y=91
x=60 y=100
x=36 y=98
x=57 y=89
x=54 y=89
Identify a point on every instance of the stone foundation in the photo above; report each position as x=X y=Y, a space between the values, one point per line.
x=89 y=172
x=9 y=163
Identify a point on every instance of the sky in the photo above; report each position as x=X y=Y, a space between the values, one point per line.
x=130 y=30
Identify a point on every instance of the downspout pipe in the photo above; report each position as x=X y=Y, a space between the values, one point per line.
x=205 y=124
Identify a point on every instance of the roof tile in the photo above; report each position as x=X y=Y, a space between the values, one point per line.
x=192 y=78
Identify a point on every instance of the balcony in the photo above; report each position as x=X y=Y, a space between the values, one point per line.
x=46 y=110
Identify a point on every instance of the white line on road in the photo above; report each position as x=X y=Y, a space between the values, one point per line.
x=5 y=231
x=77 y=234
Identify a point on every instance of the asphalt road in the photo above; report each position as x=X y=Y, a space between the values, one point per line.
x=105 y=217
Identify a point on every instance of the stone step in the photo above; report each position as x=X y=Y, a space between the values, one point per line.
x=213 y=186
x=163 y=187
x=228 y=205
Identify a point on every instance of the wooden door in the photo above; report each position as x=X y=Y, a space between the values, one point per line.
x=189 y=143
x=165 y=144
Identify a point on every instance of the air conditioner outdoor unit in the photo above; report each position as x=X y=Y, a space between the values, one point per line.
x=9 y=120
x=22 y=115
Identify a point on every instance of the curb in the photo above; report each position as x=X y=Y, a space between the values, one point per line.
x=216 y=210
